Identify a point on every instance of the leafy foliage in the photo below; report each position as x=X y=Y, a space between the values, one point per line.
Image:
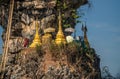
x=70 y=17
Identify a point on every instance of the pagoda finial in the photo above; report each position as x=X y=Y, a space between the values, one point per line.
x=60 y=38
x=36 y=40
x=60 y=23
x=84 y=29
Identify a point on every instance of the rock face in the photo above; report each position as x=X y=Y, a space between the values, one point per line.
x=54 y=62
x=25 y=13
x=48 y=61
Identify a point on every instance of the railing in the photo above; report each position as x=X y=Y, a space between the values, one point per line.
x=4 y=57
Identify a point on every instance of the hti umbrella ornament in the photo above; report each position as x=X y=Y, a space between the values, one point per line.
x=69 y=29
x=49 y=29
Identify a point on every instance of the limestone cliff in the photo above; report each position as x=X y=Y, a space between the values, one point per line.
x=49 y=61
x=25 y=12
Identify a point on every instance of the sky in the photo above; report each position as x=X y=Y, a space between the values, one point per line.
x=103 y=22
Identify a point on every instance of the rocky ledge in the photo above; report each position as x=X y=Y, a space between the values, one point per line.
x=54 y=62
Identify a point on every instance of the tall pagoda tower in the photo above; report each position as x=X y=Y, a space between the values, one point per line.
x=60 y=38
x=84 y=29
x=36 y=40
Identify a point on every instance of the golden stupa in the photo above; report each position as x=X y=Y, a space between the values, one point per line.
x=47 y=37
x=60 y=38
x=86 y=41
x=84 y=29
x=36 y=40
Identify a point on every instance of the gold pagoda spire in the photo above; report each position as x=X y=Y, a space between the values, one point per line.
x=84 y=29
x=36 y=40
x=60 y=38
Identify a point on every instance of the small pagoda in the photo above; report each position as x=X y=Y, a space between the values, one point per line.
x=60 y=38
x=37 y=39
x=84 y=29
